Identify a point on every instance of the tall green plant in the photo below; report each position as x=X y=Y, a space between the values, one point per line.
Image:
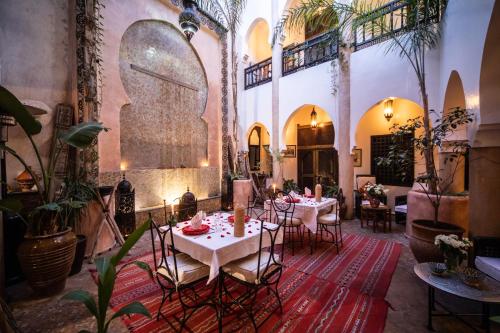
x=52 y=214
x=106 y=279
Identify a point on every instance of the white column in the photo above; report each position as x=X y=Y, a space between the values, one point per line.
x=276 y=72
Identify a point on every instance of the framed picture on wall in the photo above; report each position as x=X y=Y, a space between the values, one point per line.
x=290 y=151
x=357 y=157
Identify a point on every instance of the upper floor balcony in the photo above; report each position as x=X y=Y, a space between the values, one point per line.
x=375 y=27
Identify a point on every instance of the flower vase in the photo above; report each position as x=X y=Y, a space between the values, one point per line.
x=374 y=202
x=451 y=262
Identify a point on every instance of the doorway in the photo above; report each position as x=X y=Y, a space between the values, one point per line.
x=317 y=160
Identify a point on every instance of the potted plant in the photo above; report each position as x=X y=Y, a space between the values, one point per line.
x=376 y=193
x=453 y=249
x=289 y=185
x=433 y=186
x=48 y=249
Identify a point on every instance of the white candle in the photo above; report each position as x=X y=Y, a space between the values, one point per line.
x=172 y=209
x=274 y=188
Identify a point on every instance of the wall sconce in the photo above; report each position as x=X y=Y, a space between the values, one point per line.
x=314 y=118
x=188 y=19
x=388 y=110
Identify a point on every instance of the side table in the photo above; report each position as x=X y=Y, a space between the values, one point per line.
x=487 y=293
x=380 y=214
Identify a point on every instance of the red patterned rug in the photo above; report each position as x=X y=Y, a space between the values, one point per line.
x=323 y=292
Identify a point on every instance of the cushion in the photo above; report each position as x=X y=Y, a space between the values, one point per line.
x=330 y=219
x=246 y=269
x=401 y=209
x=188 y=269
x=489 y=265
x=293 y=220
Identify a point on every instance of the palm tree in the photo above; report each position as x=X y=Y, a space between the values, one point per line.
x=229 y=13
x=411 y=43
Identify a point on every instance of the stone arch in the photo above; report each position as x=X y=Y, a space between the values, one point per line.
x=455 y=97
x=167 y=85
x=323 y=115
x=261 y=151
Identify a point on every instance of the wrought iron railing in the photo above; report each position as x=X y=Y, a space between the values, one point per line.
x=312 y=52
x=394 y=17
x=259 y=73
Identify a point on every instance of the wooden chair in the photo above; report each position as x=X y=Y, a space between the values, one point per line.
x=179 y=273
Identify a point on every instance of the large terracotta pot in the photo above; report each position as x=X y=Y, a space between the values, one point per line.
x=46 y=261
x=422 y=239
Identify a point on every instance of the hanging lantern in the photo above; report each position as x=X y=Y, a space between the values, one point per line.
x=314 y=118
x=188 y=19
x=388 y=111
x=125 y=207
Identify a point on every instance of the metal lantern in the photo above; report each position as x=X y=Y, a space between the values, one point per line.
x=188 y=206
x=125 y=207
x=314 y=118
x=188 y=19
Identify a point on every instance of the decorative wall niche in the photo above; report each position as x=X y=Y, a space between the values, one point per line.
x=163 y=76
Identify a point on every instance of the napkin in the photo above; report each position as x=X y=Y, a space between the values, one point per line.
x=307 y=191
x=198 y=219
x=294 y=195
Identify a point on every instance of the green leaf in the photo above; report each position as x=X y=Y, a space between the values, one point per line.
x=130 y=242
x=132 y=308
x=9 y=104
x=51 y=206
x=84 y=297
x=11 y=205
x=82 y=135
x=144 y=266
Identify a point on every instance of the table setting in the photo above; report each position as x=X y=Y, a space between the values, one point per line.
x=215 y=241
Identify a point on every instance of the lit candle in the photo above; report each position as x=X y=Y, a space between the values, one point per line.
x=172 y=209
x=274 y=188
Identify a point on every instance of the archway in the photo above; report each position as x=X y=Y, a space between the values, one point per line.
x=257 y=39
x=457 y=171
x=372 y=137
x=310 y=156
x=259 y=153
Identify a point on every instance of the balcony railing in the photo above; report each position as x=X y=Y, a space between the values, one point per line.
x=310 y=53
x=258 y=74
x=394 y=17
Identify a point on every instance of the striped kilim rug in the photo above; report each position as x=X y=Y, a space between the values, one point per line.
x=322 y=292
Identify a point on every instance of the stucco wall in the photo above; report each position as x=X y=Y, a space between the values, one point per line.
x=34 y=64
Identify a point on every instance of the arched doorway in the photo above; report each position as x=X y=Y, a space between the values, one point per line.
x=310 y=157
x=259 y=154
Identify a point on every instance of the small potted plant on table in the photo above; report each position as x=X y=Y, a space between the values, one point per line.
x=376 y=193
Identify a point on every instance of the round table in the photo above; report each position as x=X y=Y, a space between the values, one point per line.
x=378 y=214
x=487 y=293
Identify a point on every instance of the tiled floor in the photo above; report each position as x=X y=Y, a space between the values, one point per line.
x=407 y=297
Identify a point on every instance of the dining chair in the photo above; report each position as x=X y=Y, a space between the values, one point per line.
x=284 y=209
x=178 y=273
x=256 y=209
x=255 y=272
x=332 y=219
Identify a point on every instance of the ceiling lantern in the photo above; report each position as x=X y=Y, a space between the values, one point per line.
x=188 y=19
x=314 y=118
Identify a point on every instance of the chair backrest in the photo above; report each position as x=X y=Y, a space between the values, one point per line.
x=281 y=203
x=361 y=180
x=165 y=234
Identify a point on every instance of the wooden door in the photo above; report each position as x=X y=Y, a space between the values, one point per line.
x=317 y=166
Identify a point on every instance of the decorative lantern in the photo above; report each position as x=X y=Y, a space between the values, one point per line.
x=125 y=207
x=314 y=118
x=188 y=206
x=188 y=19
x=388 y=111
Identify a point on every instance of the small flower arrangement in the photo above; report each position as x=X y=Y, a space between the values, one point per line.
x=376 y=191
x=454 y=249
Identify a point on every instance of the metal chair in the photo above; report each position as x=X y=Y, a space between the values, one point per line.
x=332 y=219
x=256 y=209
x=260 y=270
x=284 y=208
x=179 y=273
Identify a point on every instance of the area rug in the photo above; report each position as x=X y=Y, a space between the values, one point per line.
x=322 y=292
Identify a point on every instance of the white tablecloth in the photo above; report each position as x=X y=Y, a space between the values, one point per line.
x=307 y=210
x=218 y=248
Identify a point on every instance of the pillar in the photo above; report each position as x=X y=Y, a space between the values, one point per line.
x=276 y=73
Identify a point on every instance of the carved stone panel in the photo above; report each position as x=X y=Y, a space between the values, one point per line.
x=162 y=127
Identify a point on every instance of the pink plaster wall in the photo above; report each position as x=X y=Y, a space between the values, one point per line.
x=118 y=16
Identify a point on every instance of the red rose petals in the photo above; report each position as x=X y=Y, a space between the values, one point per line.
x=222 y=235
x=209 y=237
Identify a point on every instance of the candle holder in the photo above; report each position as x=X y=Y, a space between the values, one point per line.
x=170 y=219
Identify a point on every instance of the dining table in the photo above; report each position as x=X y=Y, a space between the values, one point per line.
x=219 y=246
x=307 y=209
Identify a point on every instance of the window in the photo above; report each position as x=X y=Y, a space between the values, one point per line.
x=388 y=175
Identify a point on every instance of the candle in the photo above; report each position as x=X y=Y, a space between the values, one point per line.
x=274 y=188
x=317 y=192
x=239 y=221
x=172 y=209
